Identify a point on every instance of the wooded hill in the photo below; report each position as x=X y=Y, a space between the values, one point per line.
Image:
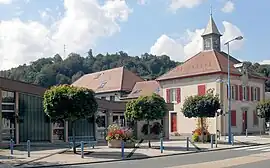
x=54 y=70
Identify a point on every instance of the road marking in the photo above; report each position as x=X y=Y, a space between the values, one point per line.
x=266 y=147
x=226 y=163
x=244 y=148
x=267 y=150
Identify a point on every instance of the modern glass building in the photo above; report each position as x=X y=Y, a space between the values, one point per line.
x=22 y=117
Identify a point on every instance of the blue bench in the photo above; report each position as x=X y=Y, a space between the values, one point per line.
x=89 y=140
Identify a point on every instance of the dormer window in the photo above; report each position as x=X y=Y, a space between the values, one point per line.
x=102 y=84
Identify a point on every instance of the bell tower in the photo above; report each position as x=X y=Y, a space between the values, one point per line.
x=211 y=36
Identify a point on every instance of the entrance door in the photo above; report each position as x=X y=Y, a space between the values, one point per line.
x=173 y=122
x=101 y=125
x=244 y=121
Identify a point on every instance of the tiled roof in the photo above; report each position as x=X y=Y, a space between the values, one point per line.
x=116 y=79
x=145 y=88
x=203 y=63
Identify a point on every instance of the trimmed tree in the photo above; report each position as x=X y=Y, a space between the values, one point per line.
x=201 y=107
x=69 y=103
x=146 y=108
x=263 y=110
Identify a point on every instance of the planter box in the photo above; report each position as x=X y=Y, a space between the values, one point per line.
x=117 y=144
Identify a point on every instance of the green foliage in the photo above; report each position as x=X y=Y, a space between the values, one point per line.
x=195 y=137
x=70 y=103
x=54 y=71
x=264 y=109
x=147 y=108
x=201 y=106
x=156 y=128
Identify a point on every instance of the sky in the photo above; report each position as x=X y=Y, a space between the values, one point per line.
x=32 y=29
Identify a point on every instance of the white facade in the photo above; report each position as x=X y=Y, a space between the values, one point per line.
x=189 y=86
x=111 y=96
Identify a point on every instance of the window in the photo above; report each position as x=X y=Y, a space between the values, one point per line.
x=119 y=119
x=233 y=118
x=255 y=93
x=173 y=95
x=112 y=98
x=255 y=119
x=103 y=98
x=245 y=93
x=102 y=85
x=233 y=92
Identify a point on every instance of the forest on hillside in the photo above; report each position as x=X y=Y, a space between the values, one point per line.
x=54 y=70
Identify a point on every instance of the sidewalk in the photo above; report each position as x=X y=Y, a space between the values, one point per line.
x=105 y=154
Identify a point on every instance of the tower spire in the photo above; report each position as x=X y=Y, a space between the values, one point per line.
x=211 y=26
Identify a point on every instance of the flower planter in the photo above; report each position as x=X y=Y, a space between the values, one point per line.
x=117 y=144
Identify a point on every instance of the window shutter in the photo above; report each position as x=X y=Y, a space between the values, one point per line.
x=240 y=92
x=251 y=93
x=233 y=118
x=236 y=93
x=178 y=95
x=201 y=90
x=168 y=95
x=259 y=93
x=248 y=91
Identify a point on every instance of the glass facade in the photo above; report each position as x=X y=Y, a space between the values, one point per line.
x=8 y=115
x=34 y=125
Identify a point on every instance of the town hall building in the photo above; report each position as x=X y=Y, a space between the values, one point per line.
x=208 y=70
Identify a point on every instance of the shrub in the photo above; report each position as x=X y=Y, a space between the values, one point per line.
x=195 y=137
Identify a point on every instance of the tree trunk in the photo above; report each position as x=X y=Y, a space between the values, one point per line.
x=202 y=128
x=73 y=136
x=149 y=134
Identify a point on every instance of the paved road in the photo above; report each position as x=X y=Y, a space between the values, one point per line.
x=248 y=157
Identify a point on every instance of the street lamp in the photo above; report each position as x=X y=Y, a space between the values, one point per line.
x=229 y=89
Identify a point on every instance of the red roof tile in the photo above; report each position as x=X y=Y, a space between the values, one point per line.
x=203 y=63
x=116 y=79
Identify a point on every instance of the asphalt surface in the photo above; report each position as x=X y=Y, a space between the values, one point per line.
x=262 y=164
x=170 y=161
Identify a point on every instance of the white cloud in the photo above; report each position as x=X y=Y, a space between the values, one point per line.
x=265 y=62
x=177 y=4
x=181 y=51
x=228 y=7
x=83 y=23
x=167 y=46
x=5 y=1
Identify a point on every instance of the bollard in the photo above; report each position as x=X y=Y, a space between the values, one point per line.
x=232 y=140
x=211 y=140
x=82 y=146
x=28 y=148
x=187 y=143
x=161 y=145
x=11 y=146
x=246 y=133
x=123 y=149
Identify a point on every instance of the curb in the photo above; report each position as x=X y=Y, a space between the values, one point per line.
x=147 y=157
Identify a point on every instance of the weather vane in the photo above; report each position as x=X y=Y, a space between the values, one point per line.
x=211 y=10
